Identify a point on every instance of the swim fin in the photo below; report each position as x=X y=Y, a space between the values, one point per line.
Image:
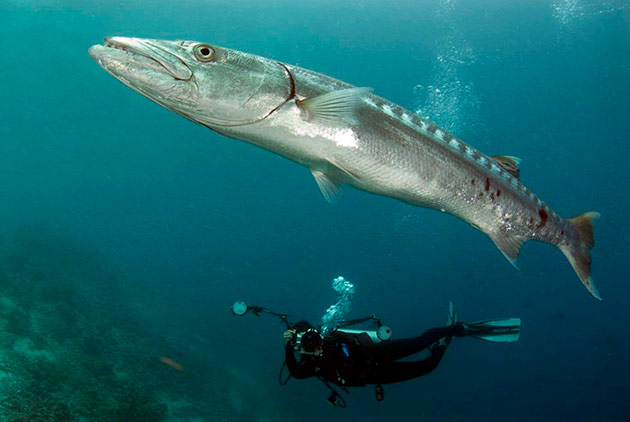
x=450 y=320
x=505 y=330
x=452 y=315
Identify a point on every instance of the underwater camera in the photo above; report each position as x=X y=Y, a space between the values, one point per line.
x=309 y=342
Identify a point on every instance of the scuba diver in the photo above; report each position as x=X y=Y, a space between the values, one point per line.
x=354 y=358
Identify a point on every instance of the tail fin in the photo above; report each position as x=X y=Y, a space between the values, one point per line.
x=495 y=330
x=577 y=252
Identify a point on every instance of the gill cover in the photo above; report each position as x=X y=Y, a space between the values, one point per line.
x=238 y=88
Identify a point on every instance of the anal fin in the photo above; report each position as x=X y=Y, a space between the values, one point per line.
x=509 y=245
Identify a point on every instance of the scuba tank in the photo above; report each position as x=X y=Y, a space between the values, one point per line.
x=381 y=334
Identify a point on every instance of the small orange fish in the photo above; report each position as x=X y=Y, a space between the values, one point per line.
x=171 y=363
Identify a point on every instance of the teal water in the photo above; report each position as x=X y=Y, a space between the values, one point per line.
x=126 y=231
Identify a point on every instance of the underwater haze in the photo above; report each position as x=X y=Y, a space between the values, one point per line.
x=126 y=231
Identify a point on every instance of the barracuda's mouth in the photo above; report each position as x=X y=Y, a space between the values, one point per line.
x=121 y=55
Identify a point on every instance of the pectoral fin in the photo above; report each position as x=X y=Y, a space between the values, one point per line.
x=333 y=106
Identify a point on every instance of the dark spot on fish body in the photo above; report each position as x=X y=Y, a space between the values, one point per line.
x=543 y=216
x=488 y=165
x=472 y=182
x=432 y=128
x=492 y=196
x=447 y=137
x=498 y=192
x=487 y=184
x=476 y=155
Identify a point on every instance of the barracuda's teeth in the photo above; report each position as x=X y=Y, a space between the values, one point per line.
x=109 y=44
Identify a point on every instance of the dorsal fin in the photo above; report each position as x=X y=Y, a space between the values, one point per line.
x=333 y=106
x=509 y=164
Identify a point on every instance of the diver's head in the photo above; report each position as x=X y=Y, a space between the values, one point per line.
x=302 y=326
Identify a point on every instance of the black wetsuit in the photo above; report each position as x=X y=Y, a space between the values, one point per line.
x=355 y=360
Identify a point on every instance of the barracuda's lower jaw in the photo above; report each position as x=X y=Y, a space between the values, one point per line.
x=147 y=74
x=126 y=65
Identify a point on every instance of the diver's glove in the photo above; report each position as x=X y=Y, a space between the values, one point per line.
x=289 y=337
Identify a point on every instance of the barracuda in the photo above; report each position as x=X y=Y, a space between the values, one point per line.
x=346 y=136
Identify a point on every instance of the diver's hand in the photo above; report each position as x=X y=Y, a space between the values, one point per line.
x=289 y=335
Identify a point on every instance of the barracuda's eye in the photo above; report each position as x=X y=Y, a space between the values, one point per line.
x=204 y=53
